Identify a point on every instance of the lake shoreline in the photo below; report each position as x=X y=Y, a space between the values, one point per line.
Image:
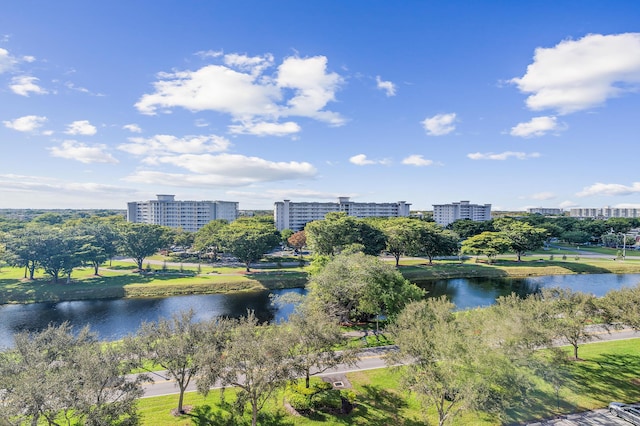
x=132 y=285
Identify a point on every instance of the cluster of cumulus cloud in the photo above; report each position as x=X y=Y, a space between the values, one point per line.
x=263 y=97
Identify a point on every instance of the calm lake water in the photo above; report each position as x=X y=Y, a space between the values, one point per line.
x=114 y=319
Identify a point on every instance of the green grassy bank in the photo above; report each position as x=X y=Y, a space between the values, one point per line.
x=609 y=371
x=120 y=279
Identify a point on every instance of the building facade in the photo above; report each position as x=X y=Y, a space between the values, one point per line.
x=188 y=215
x=546 y=211
x=294 y=216
x=605 y=212
x=444 y=214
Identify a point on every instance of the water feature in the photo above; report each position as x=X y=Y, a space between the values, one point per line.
x=113 y=319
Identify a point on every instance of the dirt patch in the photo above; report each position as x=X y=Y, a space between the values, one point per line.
x=186 y=409
x=636 y=381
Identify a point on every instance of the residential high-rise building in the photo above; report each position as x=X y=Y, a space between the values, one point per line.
x=605 y=212
x=188 y=215
x=444 y=214
x=551 y=211
x=294 y=216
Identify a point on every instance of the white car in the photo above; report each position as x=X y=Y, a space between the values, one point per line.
x=629 y=412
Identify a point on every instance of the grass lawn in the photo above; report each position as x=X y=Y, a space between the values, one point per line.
x=119 y=278
x=609 y=371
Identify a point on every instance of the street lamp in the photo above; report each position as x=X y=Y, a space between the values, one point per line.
x=624 y=245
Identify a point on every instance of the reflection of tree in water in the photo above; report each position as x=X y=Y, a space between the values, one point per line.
x=484 y=290
x=237 y=305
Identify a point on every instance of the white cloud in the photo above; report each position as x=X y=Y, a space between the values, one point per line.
x=387 y=86
x=502 y=156
x=133 y=128
x=417 y=160
x=81 y=127
x=313 y=88
x=24 y=85
x=209 y=53
x=223 y=170
x=543 y=196
x=47 y=185
x=255 y=65
x=440 y=124
x=201 y=123
x=7 y=61
x=301 y=87
x=286 y=194
x=73 y=150
x=567 y=204
x=628 y=206
x=265 y=129
x=610 y=189
x=362 y=160
x=537 y=126
x=162 y=145
x=578 y=74
x=28 y=123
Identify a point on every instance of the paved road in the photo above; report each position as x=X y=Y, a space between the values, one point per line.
x=600 y=417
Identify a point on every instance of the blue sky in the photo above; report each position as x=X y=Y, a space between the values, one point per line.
x=518 y=104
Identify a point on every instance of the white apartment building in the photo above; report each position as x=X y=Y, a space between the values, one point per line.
x=294 y=216
x=550 y=211
x=188 y=215
x=444 y=214
x=605 y=212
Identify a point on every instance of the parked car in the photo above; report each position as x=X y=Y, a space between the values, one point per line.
x=629 y=412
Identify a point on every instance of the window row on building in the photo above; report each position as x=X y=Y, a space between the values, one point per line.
x=295 y=215
x=605 y=212
x=188 y=215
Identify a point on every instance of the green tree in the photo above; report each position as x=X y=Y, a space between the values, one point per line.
x=338 y=231
x=622 y=307
x=572 y=312
x=522 y=236
x=356 y=285
x=23 y=248
x=58 y=374
x=449 y=365
x=208 y=239
x=172 y=344
x=487 y=243
x=257 y=363
x=101 y=241
x=314 y=342
x=466 y=228
x=402 y=235
x=140 y=240
x=249 y=239
x=575 y=237
x=434 y=241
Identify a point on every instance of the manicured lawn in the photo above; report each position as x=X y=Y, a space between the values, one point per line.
x=119 y=279
x=609 y=371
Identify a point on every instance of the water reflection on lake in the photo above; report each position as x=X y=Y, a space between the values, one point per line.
x=114 y=319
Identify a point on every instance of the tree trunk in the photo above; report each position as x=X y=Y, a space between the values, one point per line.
x=254 y=414
x=180 y=399
x=95 y=268
x=575 y=351
x=307 y=380
x=247 y=265
x=397 y=256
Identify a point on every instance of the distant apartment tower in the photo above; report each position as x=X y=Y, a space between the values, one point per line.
x=546 y=211
x=294 y=216
x=188 y=215
x=444 y=214
x=604 y=212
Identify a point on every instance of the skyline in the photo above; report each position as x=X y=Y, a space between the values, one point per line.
x=513 y=104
